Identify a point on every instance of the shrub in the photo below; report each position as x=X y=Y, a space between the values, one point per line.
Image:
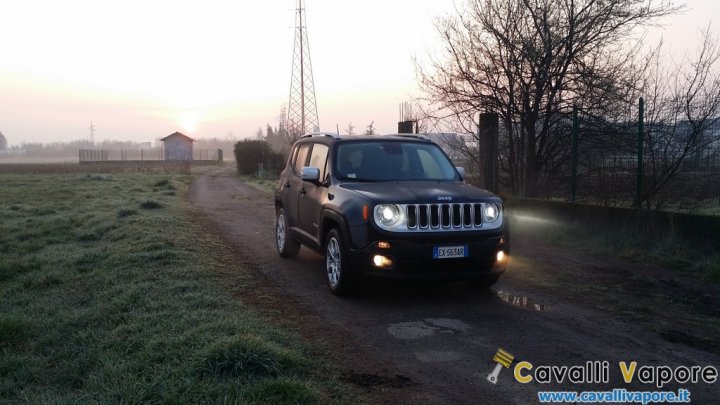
x=250 y=153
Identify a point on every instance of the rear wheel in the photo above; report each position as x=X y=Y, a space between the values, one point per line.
x=286 y=246
x=340 y=277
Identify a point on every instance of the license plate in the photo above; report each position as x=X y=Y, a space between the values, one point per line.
x=450 y=252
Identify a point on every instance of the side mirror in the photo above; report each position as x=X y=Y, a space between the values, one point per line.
x=311 y=174
x=461 y=171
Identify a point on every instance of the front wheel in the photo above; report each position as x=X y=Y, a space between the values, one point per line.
x=340 y=278
x=286 y=246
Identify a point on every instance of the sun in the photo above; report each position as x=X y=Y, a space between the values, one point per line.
x=190 y=123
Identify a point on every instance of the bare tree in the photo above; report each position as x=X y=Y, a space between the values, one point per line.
x=350 y=130
x=683 y=115
x=530 y=61
x=370 y=129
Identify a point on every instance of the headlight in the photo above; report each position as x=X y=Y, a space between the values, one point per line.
x=492 y=212
x=387 y=214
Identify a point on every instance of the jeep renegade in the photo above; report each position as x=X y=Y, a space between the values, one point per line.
x=390 y=206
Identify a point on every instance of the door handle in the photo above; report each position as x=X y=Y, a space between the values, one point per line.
x=287 y=184
x=302 y=190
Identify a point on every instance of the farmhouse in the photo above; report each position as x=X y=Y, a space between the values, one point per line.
x=178 y=146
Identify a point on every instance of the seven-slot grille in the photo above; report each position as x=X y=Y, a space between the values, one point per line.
x=461 y=216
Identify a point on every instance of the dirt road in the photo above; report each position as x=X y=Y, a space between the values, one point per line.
x=434 y=343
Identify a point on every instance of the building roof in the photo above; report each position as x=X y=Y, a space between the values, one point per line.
x=178 y=134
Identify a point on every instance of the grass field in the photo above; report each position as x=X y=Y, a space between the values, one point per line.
x=265 y=184
x=632 y=245
x=112 y=293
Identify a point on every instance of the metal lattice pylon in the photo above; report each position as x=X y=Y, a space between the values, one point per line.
x=302 y=109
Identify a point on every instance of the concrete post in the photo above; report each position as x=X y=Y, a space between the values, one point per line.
x=406 y=127
x=488 y=130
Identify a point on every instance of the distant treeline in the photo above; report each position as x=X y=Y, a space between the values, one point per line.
x=70 y=149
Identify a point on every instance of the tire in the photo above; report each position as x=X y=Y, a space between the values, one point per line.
x=286 y=246
x=340 y=278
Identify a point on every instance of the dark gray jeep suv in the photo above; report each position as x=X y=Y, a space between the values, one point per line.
x=392 y=206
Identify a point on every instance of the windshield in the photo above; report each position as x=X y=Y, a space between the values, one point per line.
x=392 y=160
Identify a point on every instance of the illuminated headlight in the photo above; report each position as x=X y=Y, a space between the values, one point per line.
x=387 y=214
x=492 y=212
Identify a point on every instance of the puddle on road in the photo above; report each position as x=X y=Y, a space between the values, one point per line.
x=520 y=301
x=410 y=330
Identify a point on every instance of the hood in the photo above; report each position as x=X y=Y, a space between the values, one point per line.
x=419 y=192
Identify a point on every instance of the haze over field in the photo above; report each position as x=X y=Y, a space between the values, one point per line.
x=141 y=70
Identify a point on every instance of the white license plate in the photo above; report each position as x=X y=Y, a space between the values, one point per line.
x=450 y=252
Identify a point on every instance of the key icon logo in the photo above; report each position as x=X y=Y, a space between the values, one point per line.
x=502 y=358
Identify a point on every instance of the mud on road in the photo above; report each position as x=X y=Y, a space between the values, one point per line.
x=413 y=342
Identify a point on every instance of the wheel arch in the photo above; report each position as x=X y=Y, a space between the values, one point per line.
x=330 y=220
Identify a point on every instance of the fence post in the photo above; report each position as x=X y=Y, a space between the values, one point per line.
x=640 y=139
x=574 y=151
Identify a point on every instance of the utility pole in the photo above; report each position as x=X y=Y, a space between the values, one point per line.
x=302 y=108
x=92 y=133
x=302 y=67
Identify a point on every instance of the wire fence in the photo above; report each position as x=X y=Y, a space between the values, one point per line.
x=134 y=155
x=662 y=165
x=611 y=179
x=666 y=163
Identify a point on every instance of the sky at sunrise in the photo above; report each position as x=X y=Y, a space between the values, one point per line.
x=140 y=70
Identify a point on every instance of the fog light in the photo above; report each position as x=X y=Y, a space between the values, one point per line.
x=383 y=245
x=382 y=261
x=500 y=257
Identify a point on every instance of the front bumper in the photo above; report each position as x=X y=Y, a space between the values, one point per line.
x=413 y=257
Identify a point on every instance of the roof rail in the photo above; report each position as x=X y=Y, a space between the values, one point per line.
x=330 y=134
x=416 y=136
